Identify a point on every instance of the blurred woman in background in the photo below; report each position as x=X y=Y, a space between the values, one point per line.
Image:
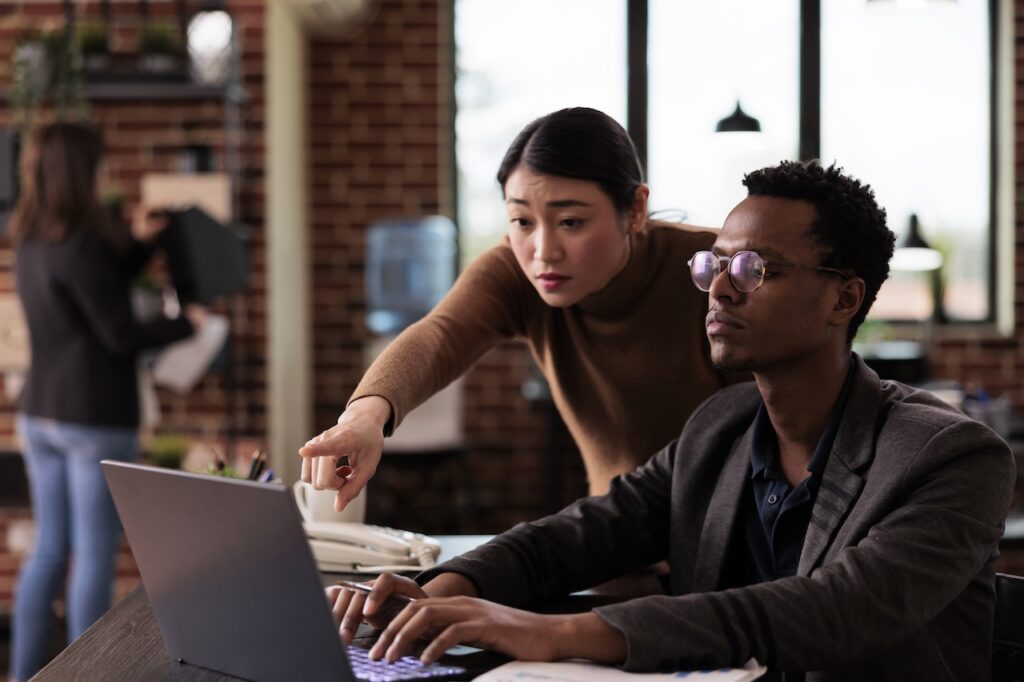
x=74 y=267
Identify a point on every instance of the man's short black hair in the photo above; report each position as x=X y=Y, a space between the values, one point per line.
x=850 y=226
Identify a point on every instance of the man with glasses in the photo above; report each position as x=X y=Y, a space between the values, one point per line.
x=817 y=519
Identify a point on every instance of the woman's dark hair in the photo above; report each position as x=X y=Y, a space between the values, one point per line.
x=849 y=226
x=582 y=144
x=58 y=185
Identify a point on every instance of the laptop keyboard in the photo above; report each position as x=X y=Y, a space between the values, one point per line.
x=405 y=668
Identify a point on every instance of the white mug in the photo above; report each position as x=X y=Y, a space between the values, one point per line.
x=318 y=505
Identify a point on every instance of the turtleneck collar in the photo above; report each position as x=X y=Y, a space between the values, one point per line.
x=622 y=290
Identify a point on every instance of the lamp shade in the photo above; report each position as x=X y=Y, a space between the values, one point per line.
x=738 y=122
x=913 y=253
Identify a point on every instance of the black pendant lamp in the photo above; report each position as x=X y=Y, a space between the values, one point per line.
x=738 y=122
x=913 y=253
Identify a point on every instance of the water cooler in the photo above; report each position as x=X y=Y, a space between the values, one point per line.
x=410 y=266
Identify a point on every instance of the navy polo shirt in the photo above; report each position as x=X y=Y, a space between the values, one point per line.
x=774 y=515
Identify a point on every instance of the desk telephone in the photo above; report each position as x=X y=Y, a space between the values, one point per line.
x=343 y=547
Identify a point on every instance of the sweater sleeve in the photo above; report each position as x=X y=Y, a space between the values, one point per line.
x=93 y=277
x=484 y=307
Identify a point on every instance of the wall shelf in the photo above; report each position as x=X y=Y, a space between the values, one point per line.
x=143 y=90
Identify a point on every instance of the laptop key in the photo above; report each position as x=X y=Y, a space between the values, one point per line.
x=406 y=668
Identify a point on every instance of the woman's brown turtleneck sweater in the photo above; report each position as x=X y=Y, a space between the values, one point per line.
x=626 y=365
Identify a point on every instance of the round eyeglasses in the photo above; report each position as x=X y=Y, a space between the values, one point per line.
x=746 y=269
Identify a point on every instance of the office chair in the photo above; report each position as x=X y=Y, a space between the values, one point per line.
x=1008 y=633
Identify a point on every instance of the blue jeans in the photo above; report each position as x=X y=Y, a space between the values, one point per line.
x=74 y=516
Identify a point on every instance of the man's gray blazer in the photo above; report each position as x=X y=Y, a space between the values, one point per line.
x=895 y=580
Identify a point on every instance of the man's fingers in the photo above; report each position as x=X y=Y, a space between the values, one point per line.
x=332 y=593
x=353 y=615
x=387 y=635
x=344 y=610
x=383 y=585
x=339 y=602
x=307 y=469
x=456 y=633
x=421 y=622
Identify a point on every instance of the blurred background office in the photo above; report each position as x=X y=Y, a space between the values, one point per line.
x=305 y=125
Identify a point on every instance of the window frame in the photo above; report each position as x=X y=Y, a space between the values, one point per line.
x=810 y=129
x=1000 y=285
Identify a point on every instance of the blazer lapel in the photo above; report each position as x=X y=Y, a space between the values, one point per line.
x=720 y=518
x=852 y=452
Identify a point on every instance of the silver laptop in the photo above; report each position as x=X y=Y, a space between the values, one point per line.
x=232 y=580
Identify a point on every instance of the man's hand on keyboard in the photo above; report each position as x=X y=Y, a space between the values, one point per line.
x=447 y=621
x=389 y=595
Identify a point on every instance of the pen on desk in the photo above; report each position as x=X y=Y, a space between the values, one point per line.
x=362 y=587
x=219 y=463
x=253 y=463
x=261 y=465
x=266 y=476
x=256 y=465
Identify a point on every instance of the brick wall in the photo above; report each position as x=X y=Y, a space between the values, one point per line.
x=148 y=135
x=381 y=138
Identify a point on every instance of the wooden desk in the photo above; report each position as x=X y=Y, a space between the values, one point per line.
x=125 y=644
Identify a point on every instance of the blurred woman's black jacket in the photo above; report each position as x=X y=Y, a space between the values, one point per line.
x=84 y=338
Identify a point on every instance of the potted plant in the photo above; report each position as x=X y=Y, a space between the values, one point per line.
x=94 y=45
x=167 y=450
x=219 y=468
x=44 y=68
x=31 y=74
x=160 y=49
x=31 y=58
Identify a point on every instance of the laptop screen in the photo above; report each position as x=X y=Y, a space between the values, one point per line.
x=229 y=574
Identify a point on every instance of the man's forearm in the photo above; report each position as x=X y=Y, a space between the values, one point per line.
x=587 y=635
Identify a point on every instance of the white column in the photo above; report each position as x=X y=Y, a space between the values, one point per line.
x=289 y=332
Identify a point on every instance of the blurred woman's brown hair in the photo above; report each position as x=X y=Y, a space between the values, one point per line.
x=58 y=186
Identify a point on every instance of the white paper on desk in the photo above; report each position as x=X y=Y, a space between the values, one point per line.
x=181 y=365
x=573 y=671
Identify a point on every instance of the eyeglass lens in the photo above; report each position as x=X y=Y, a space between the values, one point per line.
x=746 y=270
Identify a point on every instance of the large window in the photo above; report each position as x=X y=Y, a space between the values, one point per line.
x=904 y=101
x=701 y=62
x=516 y=61
x=905 y=104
